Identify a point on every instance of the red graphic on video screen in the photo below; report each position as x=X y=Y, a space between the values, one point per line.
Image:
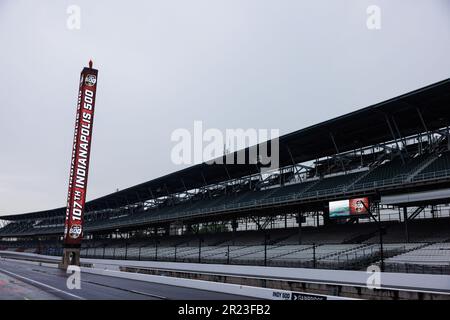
x=358 y=206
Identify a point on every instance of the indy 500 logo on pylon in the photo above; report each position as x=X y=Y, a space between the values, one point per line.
x=75 y=231
x=90 y=80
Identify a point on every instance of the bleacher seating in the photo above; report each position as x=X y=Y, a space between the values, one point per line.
x=440 y=164
x=424 y=230
x=336 y=245
x=433 y=254
x=322 y=255
x=334 y=182
x=333 y=246
x=392 y=169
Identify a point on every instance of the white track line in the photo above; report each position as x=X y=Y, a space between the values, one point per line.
x=40 y=284
x=128 y=290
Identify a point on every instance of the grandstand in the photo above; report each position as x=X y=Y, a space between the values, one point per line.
x=395 y=153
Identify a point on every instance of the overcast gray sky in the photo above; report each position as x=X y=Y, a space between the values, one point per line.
x=165 y=63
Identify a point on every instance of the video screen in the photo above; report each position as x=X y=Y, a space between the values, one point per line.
x=349 y=207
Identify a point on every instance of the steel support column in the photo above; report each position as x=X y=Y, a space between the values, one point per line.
x=405 y=218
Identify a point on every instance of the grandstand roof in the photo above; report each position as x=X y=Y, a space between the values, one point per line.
x=421 y=110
